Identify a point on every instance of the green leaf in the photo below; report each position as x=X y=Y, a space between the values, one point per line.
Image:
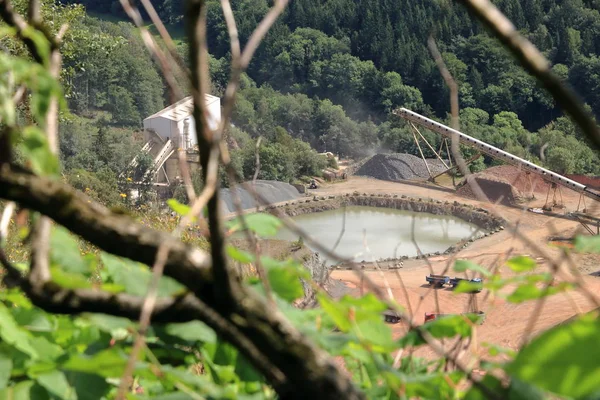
x=464 y=265
x=494 y=350
x=32 y=319
x=240 y=255
x=5 y=369
x=56 y=383
x=441 y=327
x=378 y=334
x=530 y=291
x=12 y=334
x=521 y=264
x=262 y=224
x=519 y=390
x=286 y=283
x=192 y=331
x=587 y=244
x=246 y=371
x=64 y=251
x=118 y=327
x=36 y=150
x=336 y=311
x=69 y=280
x=179 y=208
x=41 y=43
x=492 y=384
x=468 y=287
x=107 y=363
x=47 y=350
x=88 y=386
x=563 y=360
x=135 y=277
x=26 y=390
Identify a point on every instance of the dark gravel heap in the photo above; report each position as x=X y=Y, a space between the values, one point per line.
x=394 y=167
x=272 y=191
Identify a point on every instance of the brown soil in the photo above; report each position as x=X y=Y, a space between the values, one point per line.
x=497 y=190
x=506 y=323
x=526 y=183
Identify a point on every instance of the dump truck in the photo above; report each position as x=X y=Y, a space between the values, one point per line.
x=455 y=281
x=432 y=316
x=437 y=280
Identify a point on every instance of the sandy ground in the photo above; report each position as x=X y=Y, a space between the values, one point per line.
x=506 y=324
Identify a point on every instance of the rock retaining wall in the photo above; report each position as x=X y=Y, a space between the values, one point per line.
x=477 y=216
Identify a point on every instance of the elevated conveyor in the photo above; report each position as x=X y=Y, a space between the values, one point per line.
x=496 y=153
x=160 y=159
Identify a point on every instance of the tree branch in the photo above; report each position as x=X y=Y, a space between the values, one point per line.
x=295 y=368
x=109 y=231
x=12 y=18
x=208 y=147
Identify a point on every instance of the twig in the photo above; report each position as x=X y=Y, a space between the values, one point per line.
x=450 y=82
x=7 y=213
x=343 y=231
x=145 y=316
x=257 y=164
x=166 y=37
x=33 y=12
x=135 y=16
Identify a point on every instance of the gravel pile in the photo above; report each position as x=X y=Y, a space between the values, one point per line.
x=395 y=167
x=272 y=191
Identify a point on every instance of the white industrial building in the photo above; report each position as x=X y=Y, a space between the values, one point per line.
x=177 y=123
x=171 y=130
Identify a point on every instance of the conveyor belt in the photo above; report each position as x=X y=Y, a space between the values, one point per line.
x=496 y=152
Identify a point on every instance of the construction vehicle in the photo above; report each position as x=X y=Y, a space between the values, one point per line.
x=455 y=281
x=433 y=316
x=437 y=280
x=391 y=317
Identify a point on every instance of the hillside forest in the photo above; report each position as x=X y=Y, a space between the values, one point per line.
x=327 y=77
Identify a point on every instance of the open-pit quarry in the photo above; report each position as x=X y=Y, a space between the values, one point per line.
x=506 y=324
x=489 y=244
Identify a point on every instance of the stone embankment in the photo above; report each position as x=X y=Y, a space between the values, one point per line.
x=479 y=217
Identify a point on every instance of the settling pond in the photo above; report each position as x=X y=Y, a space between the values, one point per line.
x=386 y=232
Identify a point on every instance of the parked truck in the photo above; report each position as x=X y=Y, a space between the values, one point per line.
x=455 y=281
x=437 y=280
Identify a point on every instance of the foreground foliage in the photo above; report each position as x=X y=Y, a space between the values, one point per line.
x=45 y=355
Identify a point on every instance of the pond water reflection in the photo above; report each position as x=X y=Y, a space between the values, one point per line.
x=373 y=233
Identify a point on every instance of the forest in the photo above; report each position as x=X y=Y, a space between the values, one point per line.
x=102 y=300
x=330 y=75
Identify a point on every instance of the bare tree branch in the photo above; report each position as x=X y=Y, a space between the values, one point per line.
x=135 y=16
x=111 y=232
x=145 y=315
x=33 y=12
x=166 y=37
x=7 y=213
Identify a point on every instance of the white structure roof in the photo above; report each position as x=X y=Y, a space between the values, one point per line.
x=182 y=109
